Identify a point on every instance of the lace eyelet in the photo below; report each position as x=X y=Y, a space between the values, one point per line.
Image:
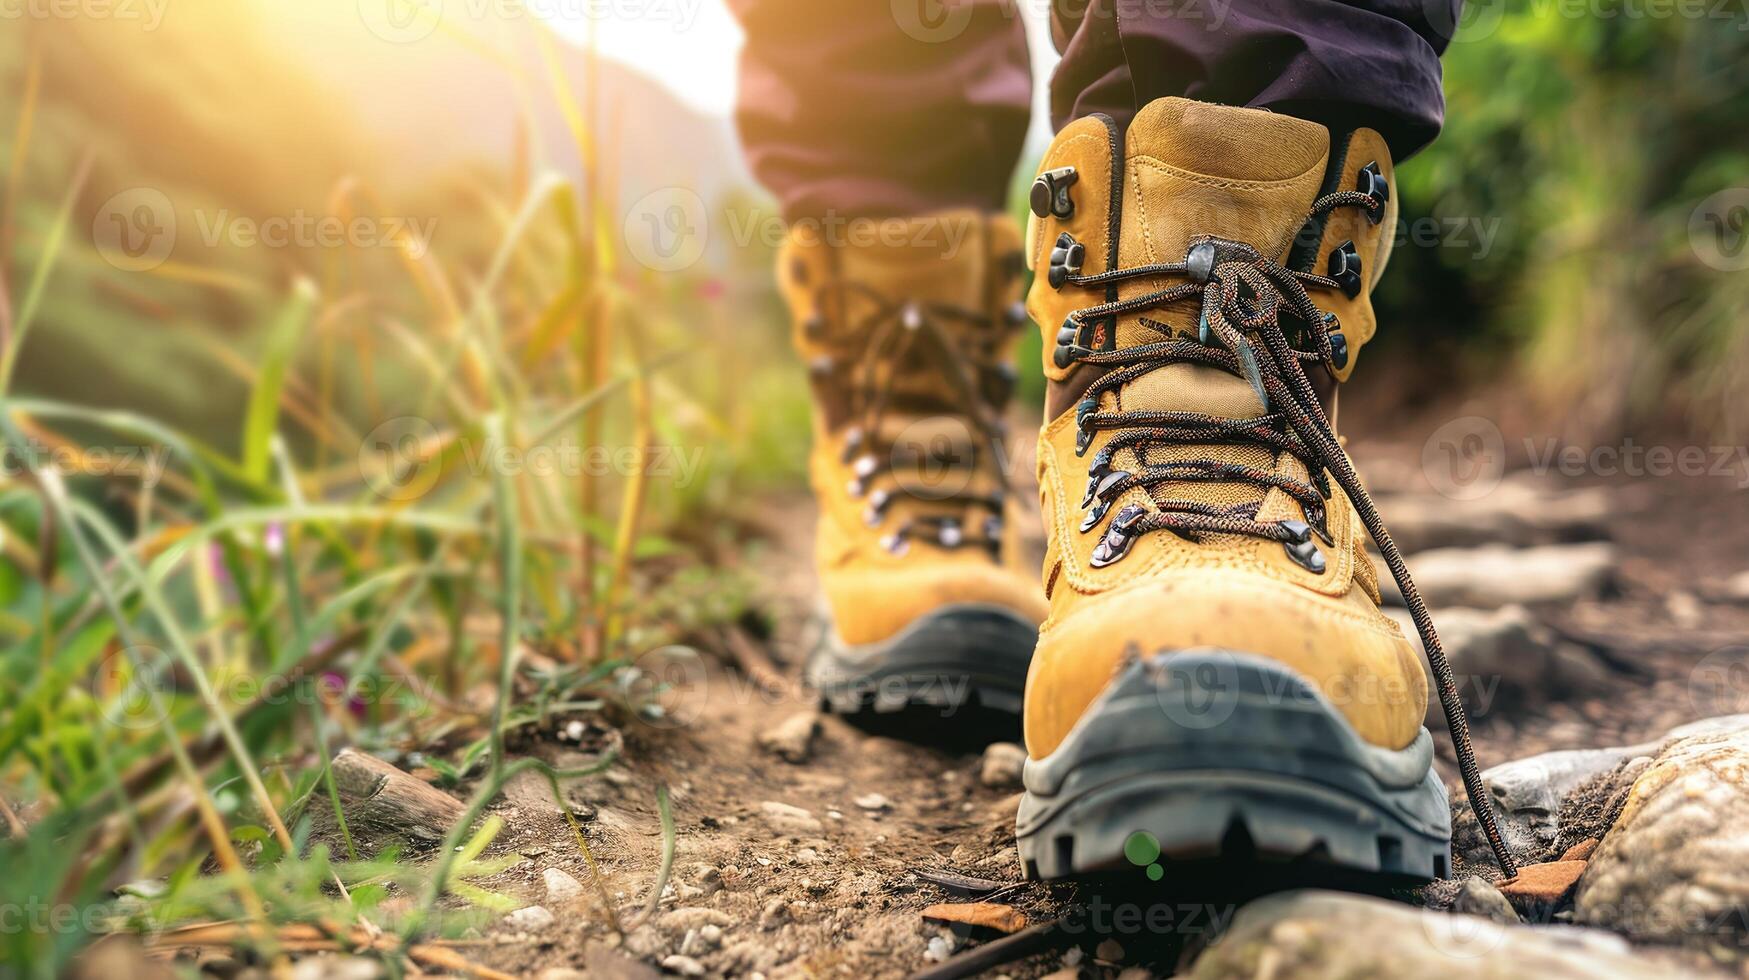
x=1344 y=267
x=1099 y=499
x=1301 y=549
x=1067 y=258
x=896 y=544
x=1050 y=193
x=912 y=318
x=1118 y=540
x=950 y=534
x=1373 y=184
x=876 y=511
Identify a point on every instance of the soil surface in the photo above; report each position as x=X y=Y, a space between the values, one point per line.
x=823 y=867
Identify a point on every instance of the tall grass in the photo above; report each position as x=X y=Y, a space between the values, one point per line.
x=182 y=654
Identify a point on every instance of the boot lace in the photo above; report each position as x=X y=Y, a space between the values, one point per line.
x=1248 y=306
x=871 y=358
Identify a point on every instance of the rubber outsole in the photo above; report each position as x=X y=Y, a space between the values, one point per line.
x=1230 y=757
x=968 y=657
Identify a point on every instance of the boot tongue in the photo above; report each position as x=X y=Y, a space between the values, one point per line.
x=1195 y=169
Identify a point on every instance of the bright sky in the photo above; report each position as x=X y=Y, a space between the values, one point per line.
x=691 y=45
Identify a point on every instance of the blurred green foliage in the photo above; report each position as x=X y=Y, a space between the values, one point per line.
x=1591 y=136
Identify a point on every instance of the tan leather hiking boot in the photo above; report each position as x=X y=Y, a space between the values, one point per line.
x=908 y=327
x=1215 y=676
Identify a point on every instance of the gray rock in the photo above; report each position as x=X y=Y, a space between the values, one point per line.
x=1505 y=651
x=793 y=739
x=534 y=918
x=1520 y=511
x=336 y=967
x=1496 y=575
x=789 y=820
x=686 y=966
x=1675 y=867
x=872 y=801
x=1313 y=934
x=562 y=889
x=1002 y=765
x=1528 y=793
x=1479 y=897
x=1737 y=587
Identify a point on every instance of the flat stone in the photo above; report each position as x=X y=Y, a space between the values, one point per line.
x=1315 y=934
x=1477 y=896
x=562 y=889
x=1737 y=586
x=1527 y=793
x=1542 y=884
x=534 y=918
x=686 y=966
x=793 y=739
x=1520 y=511
x=1497 y=575
x=872 y=802
x=1675 y=866
x=790 y=820
x=1002 y=765
x=1504 y=652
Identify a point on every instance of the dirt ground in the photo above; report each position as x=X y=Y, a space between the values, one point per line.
x=838 y=890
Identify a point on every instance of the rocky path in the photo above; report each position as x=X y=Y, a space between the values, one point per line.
x=1601 y=635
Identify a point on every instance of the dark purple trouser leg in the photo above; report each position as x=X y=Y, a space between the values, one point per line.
x=864 y=108
x=871 y=108
x=1343 y=63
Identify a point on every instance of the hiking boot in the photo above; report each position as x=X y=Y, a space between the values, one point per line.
x=908 y=328
x=1215 y=677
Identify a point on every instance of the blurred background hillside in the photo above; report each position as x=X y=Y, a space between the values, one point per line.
x=1577 y=234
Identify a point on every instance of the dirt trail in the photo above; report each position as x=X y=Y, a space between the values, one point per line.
x=811 y=868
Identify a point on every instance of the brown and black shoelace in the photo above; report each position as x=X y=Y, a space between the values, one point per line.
x=1244 y=300
x=961 y=349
